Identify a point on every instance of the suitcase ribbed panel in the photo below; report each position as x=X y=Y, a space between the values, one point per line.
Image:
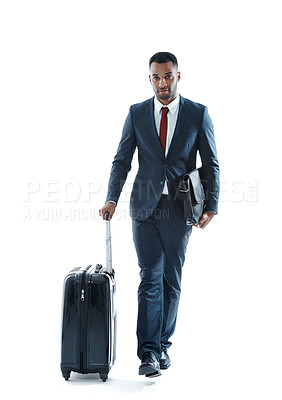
x=99 y=321
x=70 y=323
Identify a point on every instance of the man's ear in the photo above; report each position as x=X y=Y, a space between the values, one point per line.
x=150 y=79
x=178 y=76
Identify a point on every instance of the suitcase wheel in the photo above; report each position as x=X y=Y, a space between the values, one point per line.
x=66 y=375
x=104 y=377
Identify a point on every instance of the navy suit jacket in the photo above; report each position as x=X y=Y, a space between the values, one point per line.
x=193 y=132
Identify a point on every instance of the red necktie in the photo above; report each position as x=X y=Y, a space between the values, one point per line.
x=163 y=127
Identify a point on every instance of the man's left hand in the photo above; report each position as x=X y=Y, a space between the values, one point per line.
x=205 y=219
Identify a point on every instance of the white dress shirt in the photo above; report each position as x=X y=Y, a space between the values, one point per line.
x=171 y=123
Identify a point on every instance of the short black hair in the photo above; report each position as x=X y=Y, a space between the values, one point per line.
x=163 y=57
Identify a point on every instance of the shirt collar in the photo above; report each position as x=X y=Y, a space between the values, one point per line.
x=173 y=106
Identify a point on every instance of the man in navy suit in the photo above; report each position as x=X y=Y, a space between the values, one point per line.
x=168 y=130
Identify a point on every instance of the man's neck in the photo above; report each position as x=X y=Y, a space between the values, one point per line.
x=167 y=102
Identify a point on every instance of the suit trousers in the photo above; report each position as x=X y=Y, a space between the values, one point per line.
x=160 y=243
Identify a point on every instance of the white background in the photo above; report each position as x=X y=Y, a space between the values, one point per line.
x=69 y=72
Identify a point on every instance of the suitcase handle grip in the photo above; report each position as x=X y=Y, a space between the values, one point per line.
x=107 y=214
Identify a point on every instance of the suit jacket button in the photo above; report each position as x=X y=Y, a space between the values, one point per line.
x=161 y=182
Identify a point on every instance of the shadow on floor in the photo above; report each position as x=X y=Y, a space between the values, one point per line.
x=124 y=386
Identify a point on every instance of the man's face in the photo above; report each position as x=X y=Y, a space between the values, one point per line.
x=164 y=78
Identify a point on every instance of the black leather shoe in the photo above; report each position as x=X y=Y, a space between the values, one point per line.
x=164 y=359
x=150 y=366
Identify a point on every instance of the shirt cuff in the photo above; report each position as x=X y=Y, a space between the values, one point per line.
x=111 y=201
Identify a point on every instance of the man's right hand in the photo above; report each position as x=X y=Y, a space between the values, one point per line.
x=108 y=207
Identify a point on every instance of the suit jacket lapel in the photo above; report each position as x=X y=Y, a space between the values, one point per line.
x=182 y=114
x=151 y=120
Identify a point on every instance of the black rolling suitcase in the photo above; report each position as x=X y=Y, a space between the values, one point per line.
x=89 y=318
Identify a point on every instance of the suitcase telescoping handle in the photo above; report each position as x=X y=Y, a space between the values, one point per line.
x=109 y=267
